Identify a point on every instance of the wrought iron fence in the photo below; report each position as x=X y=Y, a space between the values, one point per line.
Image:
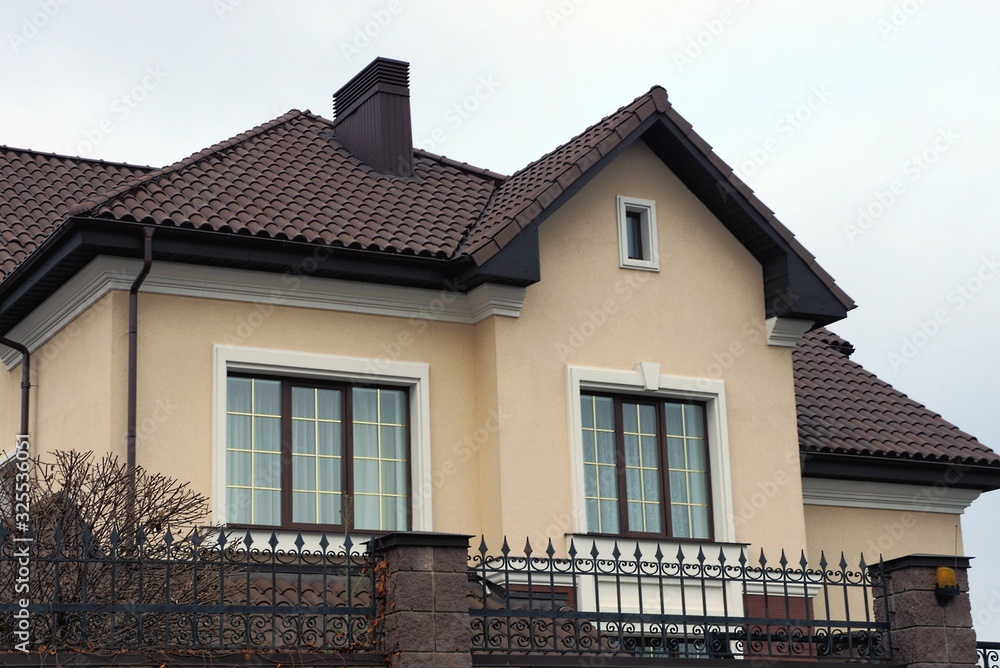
x=208 y=590
x=684 y=606
x=988 y=654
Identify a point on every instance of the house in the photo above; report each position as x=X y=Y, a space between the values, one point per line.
x=332 y=330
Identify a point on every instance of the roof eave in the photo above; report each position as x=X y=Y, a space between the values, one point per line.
x=956 y=473
x=79 y=240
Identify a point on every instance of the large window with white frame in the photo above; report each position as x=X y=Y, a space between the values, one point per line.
x=301 y=453
x=310 y=441
x=651 y=455
x=645 y=466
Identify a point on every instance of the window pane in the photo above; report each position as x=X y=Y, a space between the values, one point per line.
x=304 y=437
x=653 y=518
x=304 y=507
x=675 y=423
x=647 y=419
x=631 y=450
x=267 y=433
x=303 y=473
x=328 y=442
x=330 y=509
x=365 y=440
x=238 y=468
x=679 y=518
x=238 y=395
x=393 y=445
x=366 y=475
x=303 y=402
x=633 y=484
x=675 y=453
x=393 y=477
x=393 y=406
x=266 y=507
x=329 y=474
x=393 y=513
x=366 y=512
x=593 y=518
x=587 y=411
x=267 y=470
x=635 y=516
x=678 y=486
x=328 y=404
x=696 y=455
x=605 y=447
x=604 y=410
x=590 y=481
x=266 y=397
x=630 y=418
x=239 y=429
x=607 y=480
x=648 y=453
x=699 y=516
x=699 y=488
x=694 y=420
x=651 y=484
x=635 y=233
x=238 y=505
x=365 y=405
x=609 y=517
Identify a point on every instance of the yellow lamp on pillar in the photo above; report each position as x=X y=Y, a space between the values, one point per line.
x=946 y=585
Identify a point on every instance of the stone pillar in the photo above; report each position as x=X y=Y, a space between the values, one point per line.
x=926 y=634
x=427 y=622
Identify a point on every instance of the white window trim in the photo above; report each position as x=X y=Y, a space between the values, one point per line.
x=646 y=380
x=647 y=208
x=291 y=364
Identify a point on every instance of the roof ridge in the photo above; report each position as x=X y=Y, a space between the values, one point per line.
x=461 y=165
x=193 y=159
x=77 y=158
x=648 y=93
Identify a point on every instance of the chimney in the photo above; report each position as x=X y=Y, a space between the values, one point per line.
x=372 y=116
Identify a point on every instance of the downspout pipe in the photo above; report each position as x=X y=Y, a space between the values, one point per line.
x=25 y=381
x=133 y=340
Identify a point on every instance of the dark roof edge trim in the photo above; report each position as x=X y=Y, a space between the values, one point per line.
x=78 y=240
x=905 y=471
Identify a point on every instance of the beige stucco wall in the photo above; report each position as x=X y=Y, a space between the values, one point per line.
x=78 y=385
x=891 y=533
x=701 y=315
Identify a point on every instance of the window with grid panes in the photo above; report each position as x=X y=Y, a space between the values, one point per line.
x=302 y=454
x=646 y=468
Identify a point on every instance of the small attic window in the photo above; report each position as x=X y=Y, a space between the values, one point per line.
x=637 y=234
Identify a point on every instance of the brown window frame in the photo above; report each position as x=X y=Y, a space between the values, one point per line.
x=666 y=520
x=347 y=441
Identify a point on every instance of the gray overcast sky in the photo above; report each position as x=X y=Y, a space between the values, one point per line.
x=869 y=126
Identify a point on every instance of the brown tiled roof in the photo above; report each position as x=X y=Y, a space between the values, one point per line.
x=844 y=409
x=289 y=179
x=39 y=189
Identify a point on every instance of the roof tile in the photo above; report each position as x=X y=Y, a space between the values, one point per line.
x=843 y=408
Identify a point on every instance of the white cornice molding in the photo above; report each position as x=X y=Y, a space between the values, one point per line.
x=105 y=273
x=886 y=495
x=786 y=332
